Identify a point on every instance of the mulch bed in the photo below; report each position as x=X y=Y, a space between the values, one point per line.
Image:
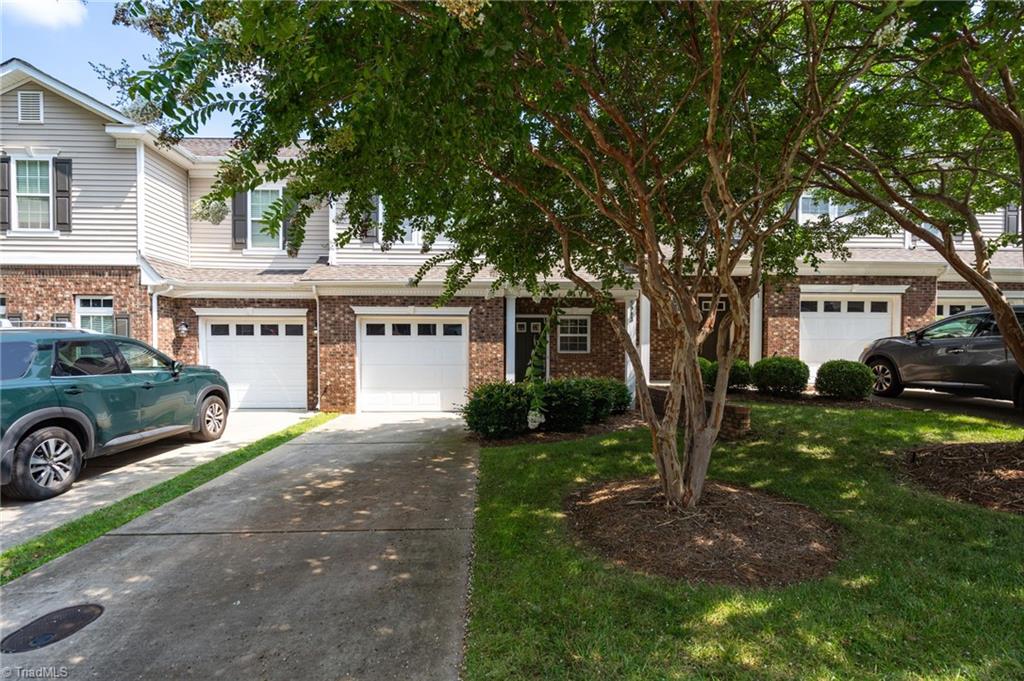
x=987 y=474
x=814 y=399
x=615 y=422
x=736 y=536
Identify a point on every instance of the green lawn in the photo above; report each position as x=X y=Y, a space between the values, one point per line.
x=927 y=589
x=26 y=557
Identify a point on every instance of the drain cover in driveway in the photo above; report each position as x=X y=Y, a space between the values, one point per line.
x=50 y=628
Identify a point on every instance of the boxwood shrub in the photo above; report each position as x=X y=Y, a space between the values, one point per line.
x=739 y=374
x=844 y=379
x=497 y=410
x=780 y=375
x=566 y=405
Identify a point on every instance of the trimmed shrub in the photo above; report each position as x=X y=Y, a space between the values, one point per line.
x=566 y=406
x=618 y=394
x=599 y=405
x=844 y=379
x=739 y=374
x=706 y=367
x=780 y=375
x=497 y=410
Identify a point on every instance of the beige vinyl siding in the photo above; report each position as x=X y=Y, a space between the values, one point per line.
x=166 y=209
x=895 y=240
x=103 y=185
x=211 y=244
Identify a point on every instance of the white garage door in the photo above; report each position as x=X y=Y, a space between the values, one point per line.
x=262 y=358
x=835 y=328
x=413 y=363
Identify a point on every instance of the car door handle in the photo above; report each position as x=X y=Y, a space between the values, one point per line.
x=147 y=385
x=73 y=390
x=954 y=351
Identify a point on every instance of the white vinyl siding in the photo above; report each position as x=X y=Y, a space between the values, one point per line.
x=103 y=186
x=167 y=209
x=211 y=244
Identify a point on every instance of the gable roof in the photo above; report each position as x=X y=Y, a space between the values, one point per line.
x=220 y=146
x=15 y=72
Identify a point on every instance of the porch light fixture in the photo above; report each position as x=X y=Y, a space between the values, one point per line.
x=182 y=329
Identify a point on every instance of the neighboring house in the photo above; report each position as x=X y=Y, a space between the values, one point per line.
x=96 y=229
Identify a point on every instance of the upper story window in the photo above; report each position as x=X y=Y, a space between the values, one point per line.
x=32 y=208
x=410 y=237
x=811 y=208
x=260 y=201
x=95 y=313
x=30 y=107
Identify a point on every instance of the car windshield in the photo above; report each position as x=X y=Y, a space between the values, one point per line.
x=15 y=358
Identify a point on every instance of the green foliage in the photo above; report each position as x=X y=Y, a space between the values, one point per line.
x=780 y=375
x=498 y=410
x=616 y=392
x=739 y=374
x=706 y=368
x=844 y=379
x=566 y=405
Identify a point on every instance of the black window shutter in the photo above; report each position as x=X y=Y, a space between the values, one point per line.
x=62 y=193
x=1011 y=220
x=370 y=234
x=286 y=223
x=122 y=326
x=5 y=193
x=239 y=220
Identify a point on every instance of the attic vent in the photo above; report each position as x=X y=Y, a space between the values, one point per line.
x=30 y=107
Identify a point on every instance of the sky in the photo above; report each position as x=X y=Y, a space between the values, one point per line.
x=61 y=37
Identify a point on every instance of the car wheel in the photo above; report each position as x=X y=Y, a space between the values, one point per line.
x=46 y=463
x=887 y=382
x=213 y=419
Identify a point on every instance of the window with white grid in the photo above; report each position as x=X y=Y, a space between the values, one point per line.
x=95 y=313
x=574 y=334
x=32 y=193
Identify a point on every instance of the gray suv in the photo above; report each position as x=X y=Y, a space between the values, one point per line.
x=962 y=354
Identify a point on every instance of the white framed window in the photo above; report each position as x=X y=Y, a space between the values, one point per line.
x=260 y=200
x=574 y=335
x=30 y=106
x=32 y=208
x=95 y=313
x=811 y=208
x=3 y=305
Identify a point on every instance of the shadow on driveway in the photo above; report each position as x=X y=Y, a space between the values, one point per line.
x=997 y=410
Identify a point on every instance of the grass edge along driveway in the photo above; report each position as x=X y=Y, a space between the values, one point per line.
x=926 y=588
x=26 y=557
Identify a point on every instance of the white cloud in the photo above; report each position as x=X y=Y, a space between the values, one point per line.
x=46 y=13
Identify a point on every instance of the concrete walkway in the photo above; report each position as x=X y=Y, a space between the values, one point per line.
x=107 y=479
x=341 y=555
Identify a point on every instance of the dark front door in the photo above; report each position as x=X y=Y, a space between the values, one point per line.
x=528 y=331
x=710 y=348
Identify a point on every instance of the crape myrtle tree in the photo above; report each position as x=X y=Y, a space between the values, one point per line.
x=939 y=140
x=649 y=145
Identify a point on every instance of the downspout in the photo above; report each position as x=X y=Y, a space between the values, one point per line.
x=316 y=295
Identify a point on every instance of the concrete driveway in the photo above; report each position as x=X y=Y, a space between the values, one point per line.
x=341 y=555
x=110 y=478
x=997 y=410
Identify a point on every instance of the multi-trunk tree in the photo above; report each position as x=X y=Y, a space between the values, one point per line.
x=656 y=146
x=939 y=141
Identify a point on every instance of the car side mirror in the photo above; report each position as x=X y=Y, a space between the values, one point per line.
x=176 y=367
x=914 y=336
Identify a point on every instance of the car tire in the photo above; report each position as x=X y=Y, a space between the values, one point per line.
x=213 y=419
x=887 y=381
x=46 y=463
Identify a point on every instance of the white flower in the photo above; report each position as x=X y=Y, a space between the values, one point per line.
x=534 y=419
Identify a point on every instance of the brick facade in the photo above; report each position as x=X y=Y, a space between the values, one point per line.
x=37 y=293
x=781 y=333
x=173 y=311
x=606 y=357
x=338 y=342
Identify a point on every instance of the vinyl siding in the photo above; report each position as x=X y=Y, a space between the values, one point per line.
x=211 y=244
x=103 y=192
x=166 y=209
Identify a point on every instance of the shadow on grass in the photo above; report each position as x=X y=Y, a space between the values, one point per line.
x=926 y=588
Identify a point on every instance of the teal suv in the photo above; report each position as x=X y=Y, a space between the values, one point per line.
x=69 y=395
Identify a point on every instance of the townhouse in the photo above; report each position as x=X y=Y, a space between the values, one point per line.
x=96 y=229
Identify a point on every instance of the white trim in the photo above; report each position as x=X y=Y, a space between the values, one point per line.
x=577 y=312
x=29 y=71
x=645 y=336
x=90 y=311
x=756 y=326
x=154 y=320
x=42 y=117
x=559 y=334
x=140 y=196
x=971 y=294
x=250 y=311
x=410 y=311
x=15 y=229
x=510 y=338
x=866 y=289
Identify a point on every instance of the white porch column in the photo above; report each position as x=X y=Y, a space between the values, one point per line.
x=645 y=336
x=756 y=325
x=510 y=338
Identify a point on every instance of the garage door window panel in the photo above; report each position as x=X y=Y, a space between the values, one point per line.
x=808 y=305
x=270 y=330
x=879 y=306
x=401 y=329
x=426 y=329
x=375 y=329
x=293 y=329
x=453 y=329
x=245 y=330
x=220 y=329
x=832 y=306
x=855 y=306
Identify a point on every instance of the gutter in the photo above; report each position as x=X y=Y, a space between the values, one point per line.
x=316 y=295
